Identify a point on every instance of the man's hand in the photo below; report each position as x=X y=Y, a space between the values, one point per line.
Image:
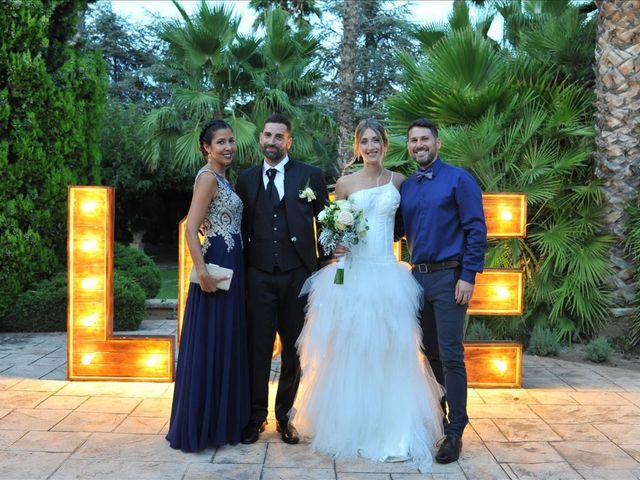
x=464 y=292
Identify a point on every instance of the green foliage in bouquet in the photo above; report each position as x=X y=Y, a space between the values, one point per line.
x=341 y=223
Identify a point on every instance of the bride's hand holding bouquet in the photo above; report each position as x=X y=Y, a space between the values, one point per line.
x=341 y=223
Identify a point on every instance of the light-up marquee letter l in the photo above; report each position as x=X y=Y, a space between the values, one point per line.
x=94 y=353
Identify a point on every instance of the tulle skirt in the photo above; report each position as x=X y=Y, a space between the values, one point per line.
x=366 y=389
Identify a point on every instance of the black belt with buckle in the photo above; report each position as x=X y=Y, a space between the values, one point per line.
x=435 y=267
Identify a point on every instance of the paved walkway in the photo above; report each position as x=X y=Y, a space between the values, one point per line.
x=570 y=421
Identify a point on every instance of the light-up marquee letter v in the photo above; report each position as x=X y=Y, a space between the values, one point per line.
x=94 y=353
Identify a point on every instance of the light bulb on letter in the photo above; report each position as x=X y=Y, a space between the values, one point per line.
x=506 y=215
x=89 y=284
x=502 y=293
x=89 y=245
x=89 y=207
x=500 y=365
x=90 y=320
x=87 y=358
x=152 y=361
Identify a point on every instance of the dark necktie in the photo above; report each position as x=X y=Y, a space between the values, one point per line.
x=422 y=174
x=272 y=191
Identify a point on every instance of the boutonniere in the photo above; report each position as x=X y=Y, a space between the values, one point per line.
x=307 y=193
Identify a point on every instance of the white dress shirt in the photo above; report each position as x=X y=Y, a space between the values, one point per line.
x=279 y=179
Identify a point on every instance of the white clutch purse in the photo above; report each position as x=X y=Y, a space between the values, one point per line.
x=217 y=271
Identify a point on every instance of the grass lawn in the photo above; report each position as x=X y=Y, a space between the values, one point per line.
x=169 y=286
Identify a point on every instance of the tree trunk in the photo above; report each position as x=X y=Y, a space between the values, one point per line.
x=346 y=94
x=617 y=157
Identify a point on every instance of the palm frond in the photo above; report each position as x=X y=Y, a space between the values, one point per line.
x=430 y=34
x=162 y=127
x=588 y=262
x=188 y=157
x=197 y=105
x=245 y=135
x=459 y=17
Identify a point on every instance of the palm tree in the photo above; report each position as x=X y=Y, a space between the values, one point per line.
x=240 y=78
x=211 y=60
x=429 y=34
x=299 y=10
x=559 y=33
x=285 y=80
x=617 y=124
x=347 y=75
x=510 y=117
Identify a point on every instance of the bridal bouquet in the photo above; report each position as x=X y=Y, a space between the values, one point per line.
x=341 y=222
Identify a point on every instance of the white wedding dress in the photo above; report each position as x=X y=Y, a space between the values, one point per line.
x=366 y=389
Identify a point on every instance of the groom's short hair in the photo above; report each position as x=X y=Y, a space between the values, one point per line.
x=279 y=118
x=424 y=123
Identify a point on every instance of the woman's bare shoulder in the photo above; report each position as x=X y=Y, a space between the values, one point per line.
x=398 y=179
x=345 y=185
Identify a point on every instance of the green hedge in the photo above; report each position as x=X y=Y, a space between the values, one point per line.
x=41 y=309
x=52 y=94
x=44 y=308
x=128 y=302
x=138 y=266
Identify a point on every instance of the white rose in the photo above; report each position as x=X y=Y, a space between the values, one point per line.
x=345 y=219
x=322 y=215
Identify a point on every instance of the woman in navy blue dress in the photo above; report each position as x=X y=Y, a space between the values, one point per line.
x=211 y=401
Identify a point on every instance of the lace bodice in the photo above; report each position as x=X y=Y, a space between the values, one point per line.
x=224 y=214
x=379 y=205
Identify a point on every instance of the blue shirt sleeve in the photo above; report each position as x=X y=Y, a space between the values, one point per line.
x=469 y=199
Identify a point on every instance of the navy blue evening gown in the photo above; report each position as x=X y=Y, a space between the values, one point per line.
x=211 y=400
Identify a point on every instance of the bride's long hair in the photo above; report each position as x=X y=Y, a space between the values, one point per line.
x=362 y=127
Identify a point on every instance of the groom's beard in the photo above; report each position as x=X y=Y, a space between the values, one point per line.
x=275 y=155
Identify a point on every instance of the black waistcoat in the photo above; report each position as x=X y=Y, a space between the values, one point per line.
x=271 y=245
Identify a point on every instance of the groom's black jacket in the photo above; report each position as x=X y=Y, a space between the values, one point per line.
x=300 y=213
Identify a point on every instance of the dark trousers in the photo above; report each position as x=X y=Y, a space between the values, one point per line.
x=273 y=306
x=442 y=322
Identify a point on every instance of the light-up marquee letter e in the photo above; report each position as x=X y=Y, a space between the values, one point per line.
x=94 y=353
x=498 y=291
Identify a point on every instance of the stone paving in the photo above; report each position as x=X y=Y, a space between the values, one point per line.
x=569 y=421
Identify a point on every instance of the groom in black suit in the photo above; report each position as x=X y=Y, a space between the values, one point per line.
x=281 y=198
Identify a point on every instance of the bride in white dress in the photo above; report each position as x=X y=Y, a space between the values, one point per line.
x=366 y=389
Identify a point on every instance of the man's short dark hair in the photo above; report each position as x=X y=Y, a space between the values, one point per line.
x=424 y=123
x=279 y=118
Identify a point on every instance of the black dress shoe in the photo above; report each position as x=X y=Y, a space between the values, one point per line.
x=288 y=432
x=251 y=432
x=449 y=451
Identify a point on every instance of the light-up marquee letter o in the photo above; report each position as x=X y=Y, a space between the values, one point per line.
x=94 y=352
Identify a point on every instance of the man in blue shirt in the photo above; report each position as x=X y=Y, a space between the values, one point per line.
x=442 y=219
